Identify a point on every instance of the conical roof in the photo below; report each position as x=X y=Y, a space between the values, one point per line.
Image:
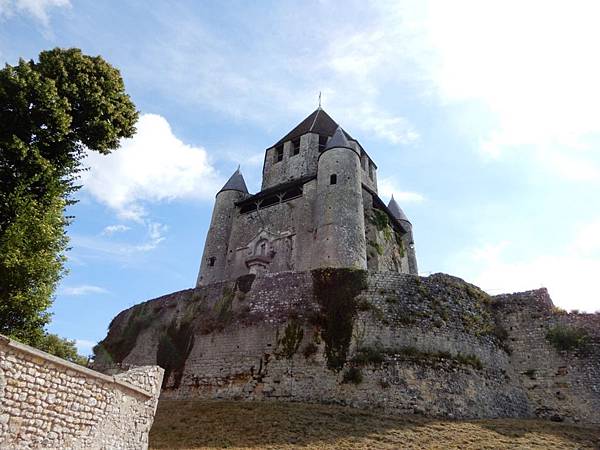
x=235 y=183
x=318 y=122
x=397 y=211
x=338 y=140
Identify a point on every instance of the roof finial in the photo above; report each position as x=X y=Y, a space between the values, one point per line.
x=238 y=169
x=319 y=99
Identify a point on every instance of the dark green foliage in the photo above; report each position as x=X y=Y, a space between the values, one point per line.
x=567 y=338
x=414 y=354
x=244 y=283
x=223 y=306
x=336 y=291
x=63 y=348
x=292 y=337
x=352 y=375
x=469 y=360
x=174 y=347
x=116 y=349
x=380 y=219
x=369 y=355
x=310 y=349
x=378 y=247
x=51 y=113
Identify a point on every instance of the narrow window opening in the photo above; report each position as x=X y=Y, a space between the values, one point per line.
x=279 y=153
x=322 y=143
x=295 y=147
x=211 y=261
x=371 y=171
x=333 y=179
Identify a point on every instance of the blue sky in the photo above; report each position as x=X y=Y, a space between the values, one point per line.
x=482 y=117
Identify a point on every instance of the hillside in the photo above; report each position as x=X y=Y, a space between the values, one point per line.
x=274 y=425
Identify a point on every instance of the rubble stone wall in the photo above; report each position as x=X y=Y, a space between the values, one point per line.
x=433 y=345
x=47 y=402
x=560 y=384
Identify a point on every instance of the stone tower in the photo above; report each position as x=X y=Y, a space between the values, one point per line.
x=212 y=267
x=318 y=207
x=340 y=225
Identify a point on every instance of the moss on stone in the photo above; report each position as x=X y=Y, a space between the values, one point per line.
x=378 y=247
x=352 y=375
x=174 y=346
x=336 y=290
x=115 y=348
x=223 y=307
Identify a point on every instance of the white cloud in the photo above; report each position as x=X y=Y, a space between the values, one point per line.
x=112 y=229
x=38 y=9
x=83 y=289
x=529 y=64
x=152 y=166
x=100 y=246
x=84 y=347
x=570 y=274
x=387 y=188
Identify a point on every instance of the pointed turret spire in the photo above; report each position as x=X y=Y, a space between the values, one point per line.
x=397 y=211
x=338 y=140
x=235 y=183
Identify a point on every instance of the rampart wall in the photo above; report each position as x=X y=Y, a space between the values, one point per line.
x=432 y=345
x=47 y=402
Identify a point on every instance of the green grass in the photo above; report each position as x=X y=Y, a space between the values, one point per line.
x=280 y=425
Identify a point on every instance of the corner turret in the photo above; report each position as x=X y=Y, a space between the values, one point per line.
x=212 y=266
x=409 y=241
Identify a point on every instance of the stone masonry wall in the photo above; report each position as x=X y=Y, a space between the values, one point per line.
x=47 y=402
x=561 y=384
x=433 y=345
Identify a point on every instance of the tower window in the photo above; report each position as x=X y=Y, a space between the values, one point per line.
x=322 y=143
x=279 y=153
x=295 y=146
x=333 y=179
x=211 y=261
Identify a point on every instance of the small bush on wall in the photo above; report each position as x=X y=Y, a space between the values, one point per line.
x=566 y=338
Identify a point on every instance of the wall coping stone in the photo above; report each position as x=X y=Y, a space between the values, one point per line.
x=70 y=365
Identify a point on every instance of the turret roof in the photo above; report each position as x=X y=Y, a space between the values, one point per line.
x=235 y=183
x=338 y=140
x=397 y=211
x=318 y=122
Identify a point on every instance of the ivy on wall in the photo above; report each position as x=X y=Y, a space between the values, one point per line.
x=336 y=290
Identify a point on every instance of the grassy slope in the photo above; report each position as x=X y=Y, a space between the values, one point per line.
x=274 y=425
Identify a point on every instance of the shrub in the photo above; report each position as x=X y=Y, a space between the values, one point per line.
x=310 y=349
x=352 y=375
x=369 y=355
x=292 y=337
x=565 y=338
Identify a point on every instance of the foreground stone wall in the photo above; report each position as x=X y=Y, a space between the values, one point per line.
x=47 y=402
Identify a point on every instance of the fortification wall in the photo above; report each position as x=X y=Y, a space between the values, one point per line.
x=432 y=345
x=47 y=402
x=561 y=374
x=399 y=342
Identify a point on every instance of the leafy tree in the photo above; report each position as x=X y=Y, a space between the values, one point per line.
x=63 y=348
x=51 y=113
